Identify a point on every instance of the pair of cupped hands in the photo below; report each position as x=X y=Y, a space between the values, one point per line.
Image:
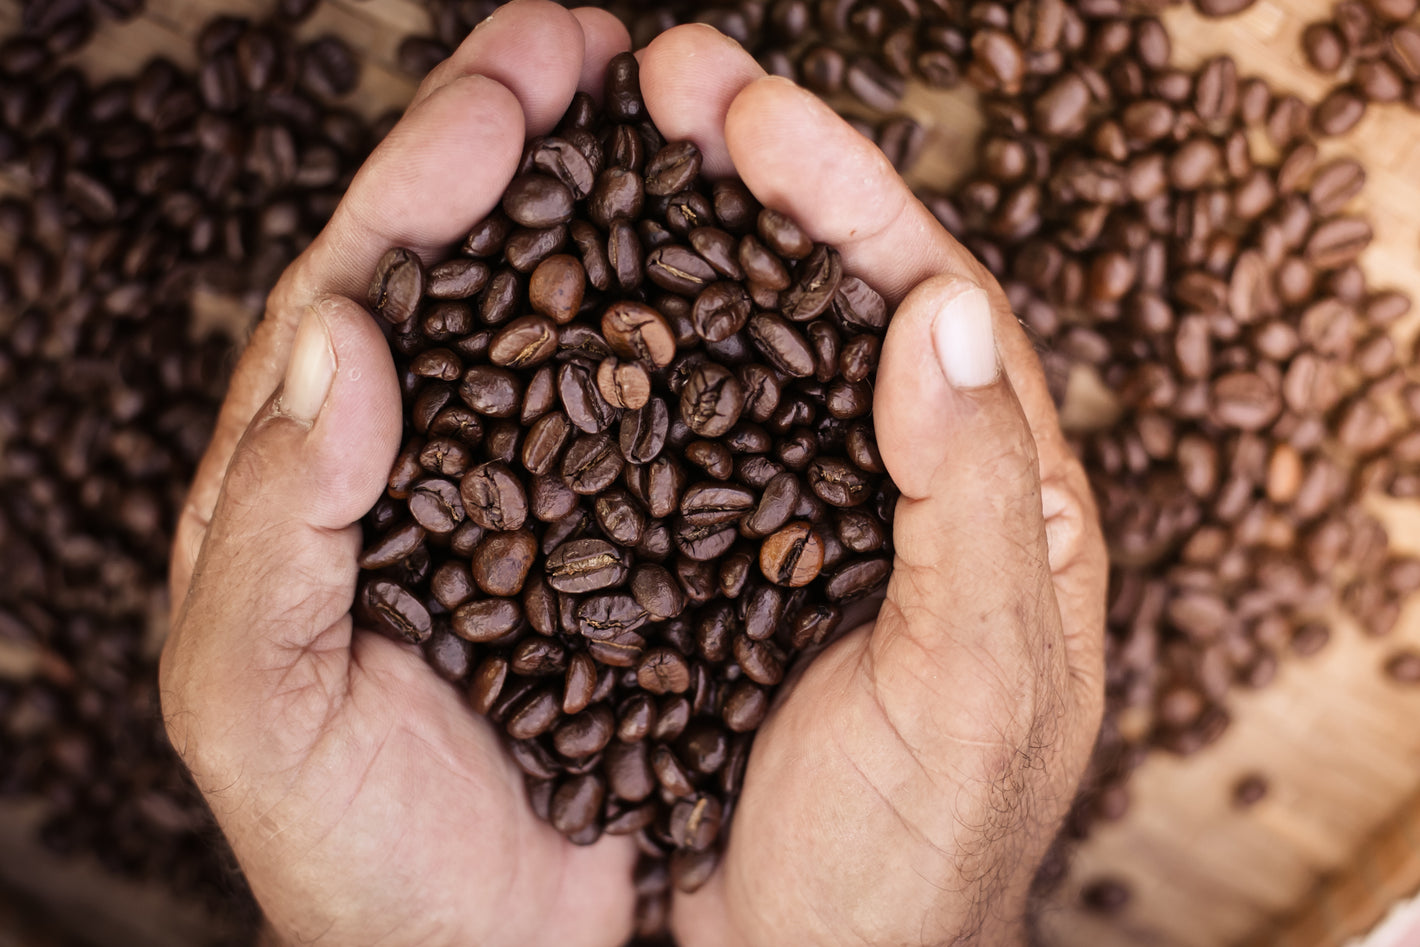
x=907 y=782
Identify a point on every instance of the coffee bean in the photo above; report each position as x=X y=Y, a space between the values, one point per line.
x=792 y=556
x=585 y=733
x=815 y=285
x=663 y=671
x=591 y=464
x=858 y=578
x=672 y=169
x=622 y=92
x=391 y=609
x=1337 y=242
x=393 y=546
x=655 y=590
x=712 y=400
x=695 y=823
x=623 y=384
x=537 y=201
x=397 y=286
x=582 y=399
x=502 y=561
x=436 y=506
x=636 y=331
x=486 y=619
x=712 y=503
x=493 y=497
x=1339 y=112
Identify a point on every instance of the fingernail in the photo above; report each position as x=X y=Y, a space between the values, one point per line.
x=310 y=371
x=964 y=338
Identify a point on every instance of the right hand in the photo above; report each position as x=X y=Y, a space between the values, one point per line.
x=906 y=786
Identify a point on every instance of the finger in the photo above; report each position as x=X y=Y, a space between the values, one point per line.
x=690 y=76
x=278 y=567
x=604 y=36
x=957 y=444
x=442 y=167
x=858 y=203
x=534 y=48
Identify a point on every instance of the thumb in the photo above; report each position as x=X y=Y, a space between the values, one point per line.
x=969 y=532
x=275 y=578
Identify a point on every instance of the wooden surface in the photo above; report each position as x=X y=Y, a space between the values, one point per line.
x=1333 y=736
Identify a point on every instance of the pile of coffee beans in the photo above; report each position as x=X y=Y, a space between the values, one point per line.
x=639 y=476
x=1175 y=233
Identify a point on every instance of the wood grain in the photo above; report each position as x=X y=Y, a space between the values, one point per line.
x=1334 y=738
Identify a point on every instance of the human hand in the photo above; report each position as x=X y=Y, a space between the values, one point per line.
x=364 y=801
x=906 y=786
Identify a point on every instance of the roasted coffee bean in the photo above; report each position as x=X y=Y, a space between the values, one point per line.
x=581 y=682
x=713 y=503
x=535 y=656
x=456 y=279
x=856 y=579
x=562 y=160
x=493 y=497
x=718 y=248
x=394 y=545
x=663 y=671
x=622 y=90
x=523 y=342
x=619 y=517
x=397 y=286
x=582 y=400
x=1339 y=112
x=486 y=620
x=584 y=734
x=502 y=561
x=792 y=556
x=391 y=609
x=813 y=624
x=815 y=285
x=782 y=345
x=838 y=483
x=679 y=270
x=636 y=331
x=537 y=201
x=712 y=400
x=624 y=385
x=656 y=591
x=591 y=464
x=436 y=506
x=672 y=169
x=585 y=565
x=721 y=310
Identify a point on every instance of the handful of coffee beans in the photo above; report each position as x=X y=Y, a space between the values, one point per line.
x=639 y=475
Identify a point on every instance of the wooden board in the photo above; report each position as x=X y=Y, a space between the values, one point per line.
x=1332 y=735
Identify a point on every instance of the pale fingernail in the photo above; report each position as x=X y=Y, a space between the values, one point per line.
x=964 y=338
x=311 y=369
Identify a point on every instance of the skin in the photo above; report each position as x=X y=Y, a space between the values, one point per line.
x=907 y=782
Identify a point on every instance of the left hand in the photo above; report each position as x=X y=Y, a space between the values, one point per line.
x=364 y=801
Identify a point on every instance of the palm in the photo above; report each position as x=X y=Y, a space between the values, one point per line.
x=422 y=811
x=847 y=771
